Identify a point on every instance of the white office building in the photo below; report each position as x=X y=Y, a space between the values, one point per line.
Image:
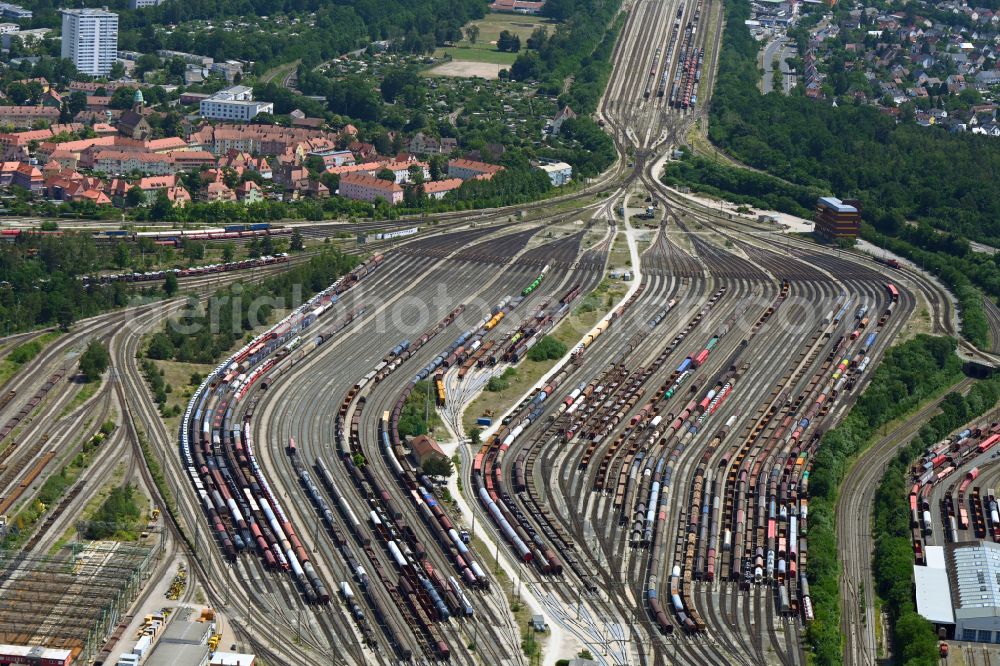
x=559 y=173
x=90 y=39
x=236 y=103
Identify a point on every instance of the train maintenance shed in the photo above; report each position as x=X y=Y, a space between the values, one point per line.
x=974 y=577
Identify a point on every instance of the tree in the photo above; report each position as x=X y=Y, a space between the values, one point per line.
x=538 y=38
x=94 y=361
x=438 y=167
x=296 y=244
x=331 y=180
x=64 y=316
x=472 y=33
x=413 y=195
x=162 y=206
x=170 y=283
x=386 y=174
x=416 y=173
x=475 y=436
x=548 y=348
x=497 y=384
x=135 y=197
x=122 y=98
x=508 y=42
x=382 y=143
x=121 y=255
x=147 y=62
x=74 y=104
x=315 y=165
x=267 y=245
x=228 y=252
x=117 y=70
x=18 y=92
x=527 y=66
x=161 y=347
x=195 y=250
x=397 y=80
x=438 y=466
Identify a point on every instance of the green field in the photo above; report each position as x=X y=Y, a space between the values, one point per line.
x=471 y=53
x=485 y=50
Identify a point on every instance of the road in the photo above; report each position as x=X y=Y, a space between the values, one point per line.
x=772 y=50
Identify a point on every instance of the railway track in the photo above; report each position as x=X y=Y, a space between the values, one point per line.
x=677 y=453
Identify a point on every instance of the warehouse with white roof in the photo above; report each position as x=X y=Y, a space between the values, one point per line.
x=959 y=590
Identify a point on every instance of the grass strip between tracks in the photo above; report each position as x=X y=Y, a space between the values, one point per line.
x=914 y=636
x=910 y=374
x=51 y=493
x=156 y=472
x=24 y=353
x=569 y=332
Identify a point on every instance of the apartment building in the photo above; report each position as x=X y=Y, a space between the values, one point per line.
x=362 y=187
x=236 y=103
x=90 y=39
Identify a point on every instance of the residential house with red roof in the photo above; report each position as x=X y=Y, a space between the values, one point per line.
x=219 y=192
x=249 y=192
x=467 y=169
x=28 y=177
x=438 y=188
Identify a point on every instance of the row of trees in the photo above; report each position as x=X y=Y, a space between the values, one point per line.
x=202 y=336
x=580 y=47
x=744 y=186
x=924 y=191
x=951 y=259
x=220 y=212
x=910 y=373
x=914 y=636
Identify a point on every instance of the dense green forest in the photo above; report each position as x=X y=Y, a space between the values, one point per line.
x=743 y=186
x=39 y=283
x=924 y=191
x=328 y=28
x=201 y=336
x=910 y=373
x=853 y=150
x=580 y=47
x=893 y=568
